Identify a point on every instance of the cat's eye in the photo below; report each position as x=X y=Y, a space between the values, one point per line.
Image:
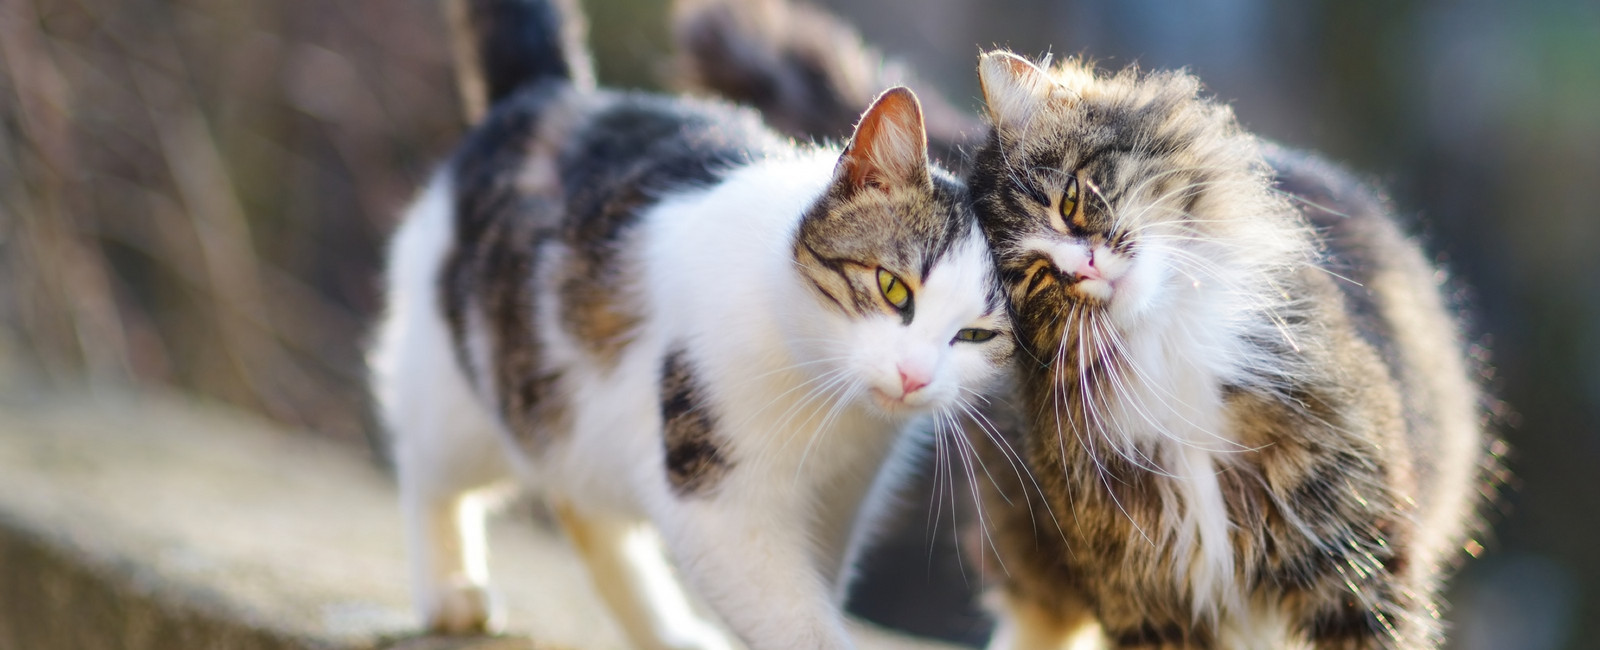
x=1067 y=215
x=1069 y=198
x=893 y=289
x=975 y=335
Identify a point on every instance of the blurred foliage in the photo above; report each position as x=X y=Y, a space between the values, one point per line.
x=195 y=192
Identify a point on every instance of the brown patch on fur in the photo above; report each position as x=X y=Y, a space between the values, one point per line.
x=592 y=285
x=594 y=311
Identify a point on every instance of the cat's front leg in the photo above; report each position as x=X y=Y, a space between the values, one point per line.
x=752 y=561
x=1024 y=624
x=449 y=573
x=626 y=566
x=449 y=476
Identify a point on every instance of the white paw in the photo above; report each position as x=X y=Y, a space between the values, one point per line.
x=460 y=608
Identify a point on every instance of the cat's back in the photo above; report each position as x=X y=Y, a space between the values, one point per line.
x=1398 y=303
x=602 y=152
x=656 y=143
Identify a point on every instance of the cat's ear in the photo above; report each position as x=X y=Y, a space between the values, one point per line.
x=1014 y=88
x=890 y=146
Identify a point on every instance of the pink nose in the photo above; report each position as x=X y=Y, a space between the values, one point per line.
x=1088 y=271
x=912 y=382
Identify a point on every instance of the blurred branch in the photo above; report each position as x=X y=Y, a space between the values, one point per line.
x=463 y=46
x=67 y=310
x=195 y=193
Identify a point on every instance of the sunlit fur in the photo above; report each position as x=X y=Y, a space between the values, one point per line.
x=656 y=313
x=1223 y=445
x=1183 y=219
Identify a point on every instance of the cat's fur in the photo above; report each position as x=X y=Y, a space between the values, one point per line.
x=653 y=310
x=807 y=71
x=1254 y=430
x=1344 y=434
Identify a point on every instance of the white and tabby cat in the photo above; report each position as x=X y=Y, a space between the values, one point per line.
x=653 y=310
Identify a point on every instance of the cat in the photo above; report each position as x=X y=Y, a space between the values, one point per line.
x=1255 y=430
x=653 y=310
x=1285 y=362
x=807 y=71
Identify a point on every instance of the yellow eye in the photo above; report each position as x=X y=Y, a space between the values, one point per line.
x=893 y=289
x=974 y=335
x=1069 y=200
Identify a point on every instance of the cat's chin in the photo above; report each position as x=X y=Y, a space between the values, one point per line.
x=1095 y=290
x=896 y=407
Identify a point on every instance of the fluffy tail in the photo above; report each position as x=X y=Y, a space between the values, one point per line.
x=504 y=45
x=808 y=72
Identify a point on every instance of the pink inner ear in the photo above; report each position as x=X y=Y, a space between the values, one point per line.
x=889 y=144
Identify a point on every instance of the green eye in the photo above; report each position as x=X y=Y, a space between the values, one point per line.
x=1069 y=201
x=974 y=335
x=893 y=289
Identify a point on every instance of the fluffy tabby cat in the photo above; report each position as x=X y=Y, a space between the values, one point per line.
x=1243 y=396
x=1252 y=432
x=653 y=310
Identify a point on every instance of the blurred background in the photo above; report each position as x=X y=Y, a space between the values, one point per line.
x=196 y=193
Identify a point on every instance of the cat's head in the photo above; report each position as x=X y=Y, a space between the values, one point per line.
x=911 y=315
x=1111 y=200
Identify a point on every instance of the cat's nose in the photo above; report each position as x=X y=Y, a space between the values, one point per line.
x=1087 y=270
x=911 y=382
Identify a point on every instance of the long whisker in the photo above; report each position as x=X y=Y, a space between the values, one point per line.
x=846 y=393
x=970 y=457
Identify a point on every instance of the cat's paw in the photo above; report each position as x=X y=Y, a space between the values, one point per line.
x=460 y=609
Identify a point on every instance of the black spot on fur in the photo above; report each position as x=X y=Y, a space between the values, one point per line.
x=695 y=462
x=483 y=171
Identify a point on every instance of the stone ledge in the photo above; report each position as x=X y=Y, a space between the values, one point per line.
x=147 y=521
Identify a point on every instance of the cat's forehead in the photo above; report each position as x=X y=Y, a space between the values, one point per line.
x=907 y=229
x=1091 y=134
x=1126 y=113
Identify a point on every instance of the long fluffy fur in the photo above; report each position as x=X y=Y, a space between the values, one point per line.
x=1324 y=267
x=1238 y=432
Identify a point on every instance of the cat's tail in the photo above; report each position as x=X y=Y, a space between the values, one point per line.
x=806 y=70
x=502 y=46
